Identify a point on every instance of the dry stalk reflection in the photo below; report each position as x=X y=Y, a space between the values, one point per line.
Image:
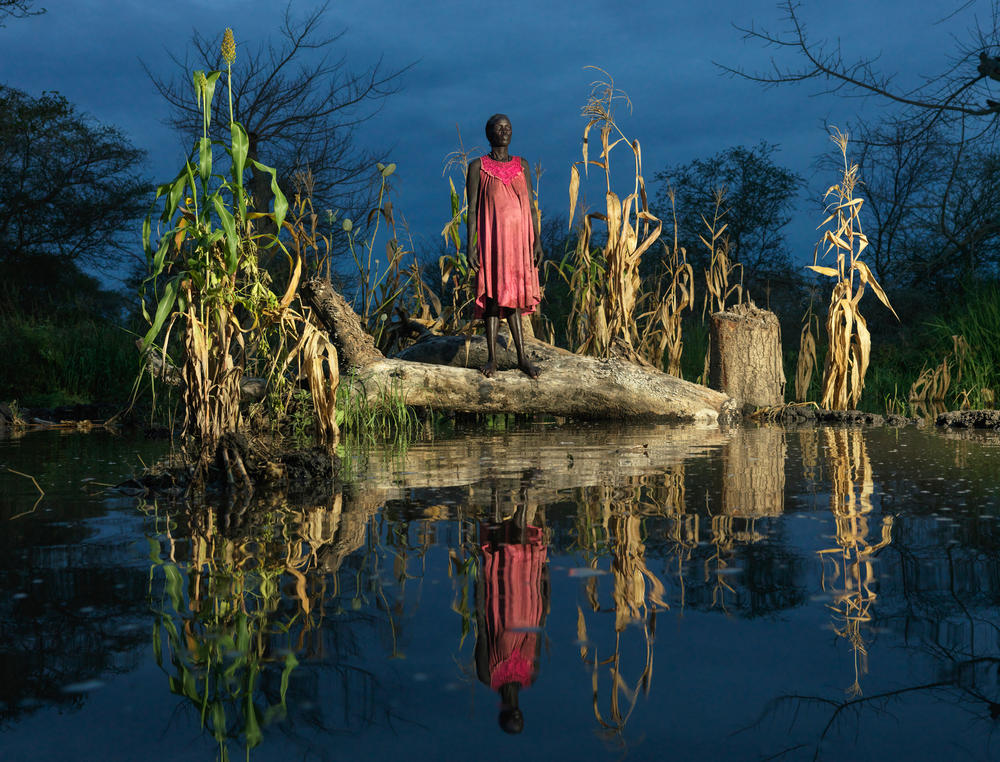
x=848 y=571
x=612 y=519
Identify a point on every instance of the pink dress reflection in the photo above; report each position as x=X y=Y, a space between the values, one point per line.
x=512 y=602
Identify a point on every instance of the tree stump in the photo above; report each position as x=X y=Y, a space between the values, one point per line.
x=745 y=358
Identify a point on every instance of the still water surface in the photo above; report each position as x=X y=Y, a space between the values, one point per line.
x=562 y=593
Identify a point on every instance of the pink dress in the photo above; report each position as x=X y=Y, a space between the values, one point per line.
x=512 y=609
x=506 y=238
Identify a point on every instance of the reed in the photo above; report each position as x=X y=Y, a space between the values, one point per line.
x=848 y=340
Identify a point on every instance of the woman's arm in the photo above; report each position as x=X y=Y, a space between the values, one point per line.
x=472 y=198
x=535 y=215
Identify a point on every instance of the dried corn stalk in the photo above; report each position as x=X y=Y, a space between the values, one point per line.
x=662 y=334
x=933 y=383
x=807 y=355
x=604 y=303
x=721 y=267
x=849 y=346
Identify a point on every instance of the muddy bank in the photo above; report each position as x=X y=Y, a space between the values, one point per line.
x=970 y=419
x=809 y=414
x=269 y=469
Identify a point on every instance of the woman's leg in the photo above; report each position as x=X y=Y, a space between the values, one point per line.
x=514 y=321
x=491 y=319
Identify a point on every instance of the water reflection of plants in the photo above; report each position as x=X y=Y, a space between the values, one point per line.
x=243 y=602
x=611 y=522
x=221 y=637
x=848 y=570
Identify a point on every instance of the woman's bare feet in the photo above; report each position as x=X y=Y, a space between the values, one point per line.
x=528 y=369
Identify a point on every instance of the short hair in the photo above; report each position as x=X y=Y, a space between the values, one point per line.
x=493 y=120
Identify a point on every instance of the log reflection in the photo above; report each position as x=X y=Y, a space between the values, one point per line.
x=753 y=481
x=753 y=487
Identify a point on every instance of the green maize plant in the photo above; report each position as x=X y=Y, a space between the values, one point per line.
x=206 y=299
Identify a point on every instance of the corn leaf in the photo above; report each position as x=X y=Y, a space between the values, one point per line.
x=832 y=272
x=231 y=241
x=163 y=308
x=574 y=189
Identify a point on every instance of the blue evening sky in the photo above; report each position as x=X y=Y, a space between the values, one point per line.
x=521 y=57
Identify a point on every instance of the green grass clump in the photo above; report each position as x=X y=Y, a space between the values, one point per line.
x=977 y=320
x=78 y=360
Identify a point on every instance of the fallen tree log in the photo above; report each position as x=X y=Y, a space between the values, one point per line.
x=442 y=373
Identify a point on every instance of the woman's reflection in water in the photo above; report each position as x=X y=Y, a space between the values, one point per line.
x=512 y=597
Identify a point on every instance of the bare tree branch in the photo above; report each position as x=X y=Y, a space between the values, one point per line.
x=961 y=90
x=17 y=9
x=299 y=104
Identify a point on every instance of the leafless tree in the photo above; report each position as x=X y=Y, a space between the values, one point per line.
x=299 y=104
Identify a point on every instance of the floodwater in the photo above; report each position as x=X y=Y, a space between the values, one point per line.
x=598 y=592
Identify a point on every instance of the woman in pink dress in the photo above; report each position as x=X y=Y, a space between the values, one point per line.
x=504 y=251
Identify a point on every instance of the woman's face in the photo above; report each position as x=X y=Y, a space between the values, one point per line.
x=500 y=133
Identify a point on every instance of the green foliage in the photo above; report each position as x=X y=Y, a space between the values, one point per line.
x=69 y=186
x=385 y=417
x=977 y=320
x=303 y=415
x=696 y=341
x=203 y=273
x=79 y=359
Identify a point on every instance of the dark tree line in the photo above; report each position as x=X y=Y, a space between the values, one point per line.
x=71 y=188
x=70 y=191
x=758 y=198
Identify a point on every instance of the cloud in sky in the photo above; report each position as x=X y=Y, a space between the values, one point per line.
x=522 y=57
